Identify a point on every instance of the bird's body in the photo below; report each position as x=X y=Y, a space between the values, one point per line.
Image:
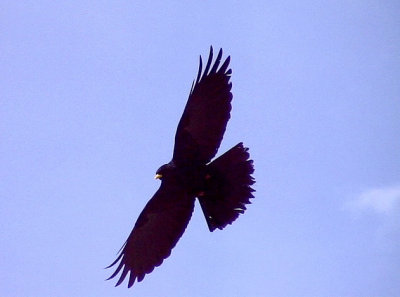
x=189 y=177
x=222 y=186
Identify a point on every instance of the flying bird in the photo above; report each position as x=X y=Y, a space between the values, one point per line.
x=222 y=186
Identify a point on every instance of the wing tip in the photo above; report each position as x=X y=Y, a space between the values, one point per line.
x=221 y=70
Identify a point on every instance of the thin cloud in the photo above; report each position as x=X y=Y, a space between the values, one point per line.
x=381 y=200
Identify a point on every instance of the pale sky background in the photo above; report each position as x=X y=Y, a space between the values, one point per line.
x=91 y=93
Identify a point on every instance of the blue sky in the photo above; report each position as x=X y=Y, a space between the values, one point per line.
x=92 y=91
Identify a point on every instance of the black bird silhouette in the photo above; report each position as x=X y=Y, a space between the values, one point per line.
x=223 y=186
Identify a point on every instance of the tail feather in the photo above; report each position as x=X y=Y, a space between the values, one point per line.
x=227 y=187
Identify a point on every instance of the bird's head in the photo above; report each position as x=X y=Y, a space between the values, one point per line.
x=163 y=171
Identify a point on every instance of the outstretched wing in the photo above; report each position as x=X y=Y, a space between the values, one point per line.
x=207 y=111
x=157 y=230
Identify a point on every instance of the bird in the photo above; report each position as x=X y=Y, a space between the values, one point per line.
x=222 y=186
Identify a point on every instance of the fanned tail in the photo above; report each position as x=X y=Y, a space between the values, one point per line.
x=227 y=187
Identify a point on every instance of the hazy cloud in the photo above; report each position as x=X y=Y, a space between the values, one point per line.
x=381 y=200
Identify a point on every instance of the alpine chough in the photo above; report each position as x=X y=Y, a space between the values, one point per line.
x=222 y=186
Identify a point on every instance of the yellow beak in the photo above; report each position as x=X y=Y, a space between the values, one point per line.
x=158 y=176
